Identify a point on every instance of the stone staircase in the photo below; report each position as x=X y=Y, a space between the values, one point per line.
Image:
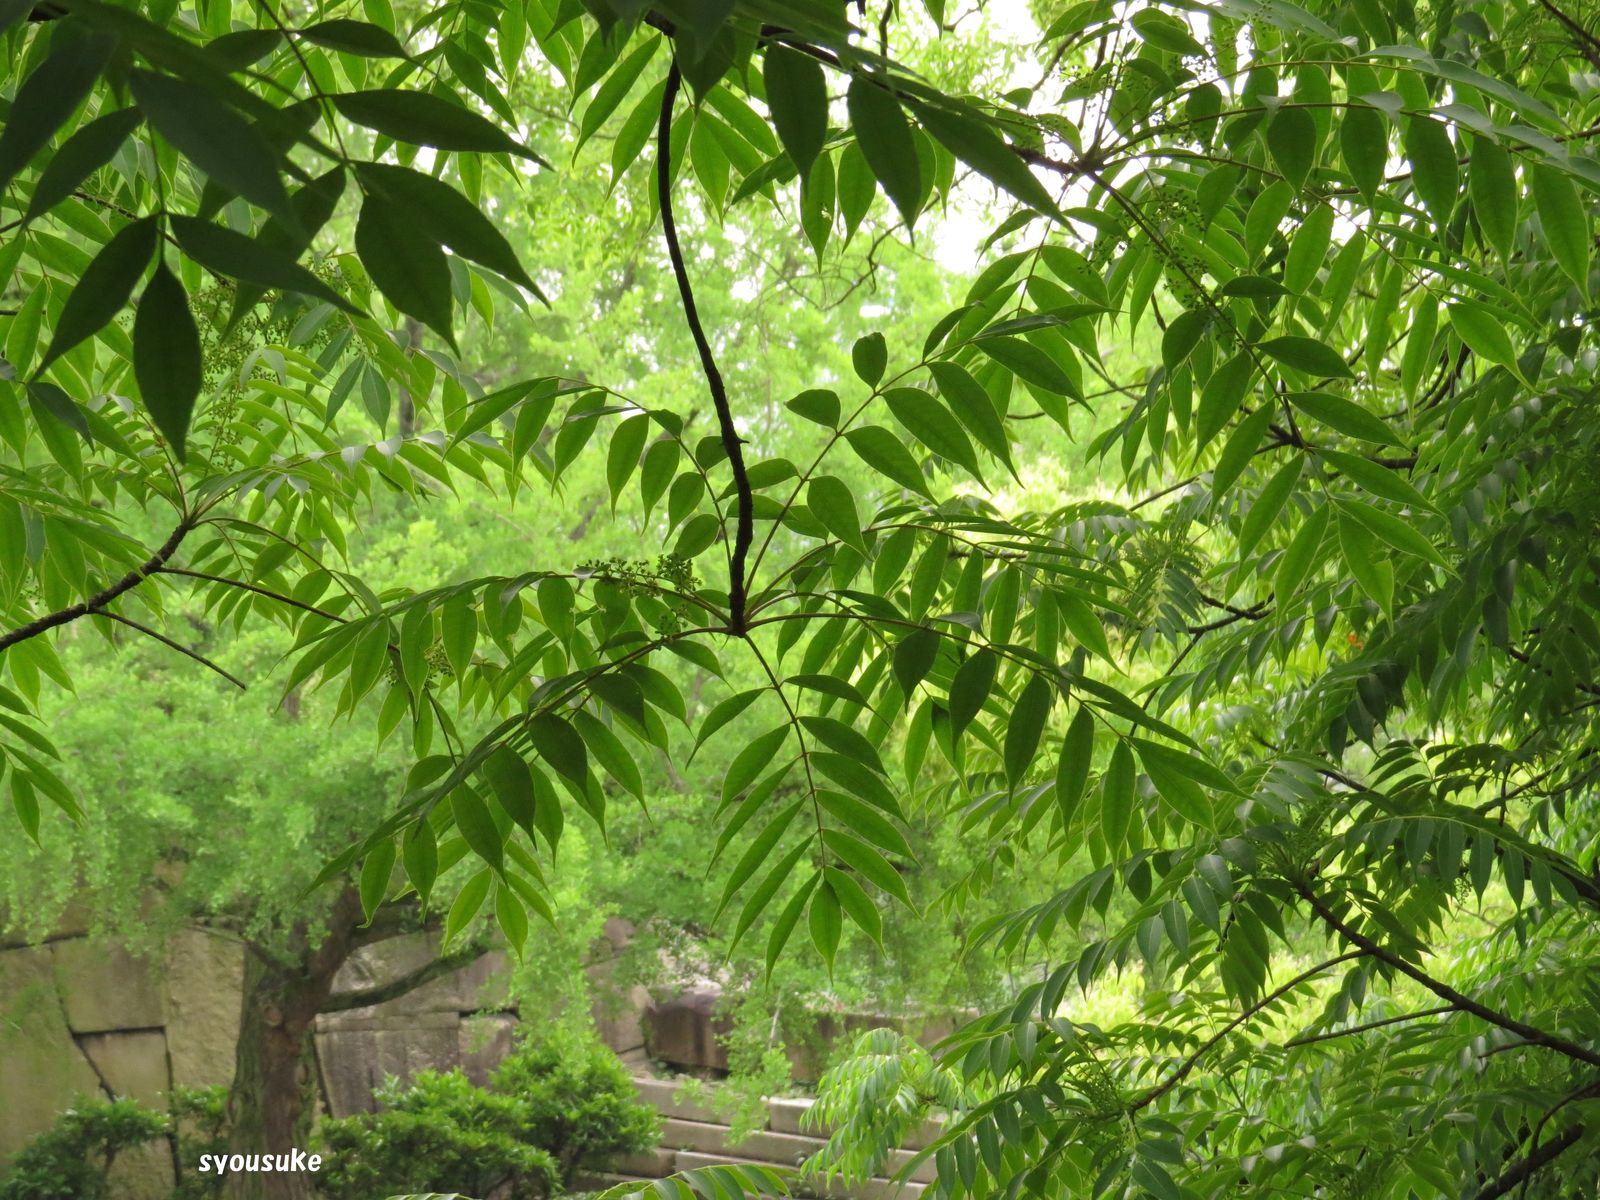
x=693 y=1135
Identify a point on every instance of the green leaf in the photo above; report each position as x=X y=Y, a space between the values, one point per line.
x=1346 y=416
x=756 y=854
x=511 y=917
x=420 y=854
x=622 y=455
x=870 y=356
x=443 y=214
x=783 y=927
x=48 y=96
x=970 y=688
x=79 y=157
x=353 y=37
x=423 y=119
x=1268 y=505
x=1433 y=165
x=751 y=761
x=933 y=426
x=1308 y=355
x=1026 y=726
x=560 y=746
x=1116 y=797
x=1483 y=333
x=478 y=826
x=816 y=405
x=867 y=821
x=1224 y=393
x=1492 y=184
x=797 y=95
x=507 y=773
x=214 y=138
x=417 y=282
x=1029 y=363
x=1239 y=449
x=881 y=450
x=375 y=877
x=1566 y=224
x=467 y=903
x=1292 y=139
x=724 y=712
x=166 y=357
x=618 y=83
x=1364 y=143
x=610 y=752
x=978 y=145
x=1403 y=536
x=914 y=656
x=832 y=503
x=885 y=139
x=103 y=288
x=1298 y=558
x=1367 y=566
x=973 y=408
x=825 y=923
x=1072 y=768
x=1378 y=479
x=1182 y=335
x=868 y=863
x=856 y=903
x=231 y=254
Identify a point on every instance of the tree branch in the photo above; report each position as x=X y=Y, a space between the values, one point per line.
x=1536 y=1160
x=178 y=646
x=1354 y=1029
x=745 y=522
x=98 y=602
x=407 y=983
x=1443 y=990
x=1189 y=1064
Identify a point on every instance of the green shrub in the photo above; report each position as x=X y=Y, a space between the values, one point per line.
x=553 y=1108
x=72 y=1159
x=200 y=1121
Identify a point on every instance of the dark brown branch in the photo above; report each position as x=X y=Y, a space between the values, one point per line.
x=407 y=983
x=250 y=587
x=1363 y=1028
x=1536 y=1160
x=178 y=646
x=1189 y=1064
x=1443 y=990
x=744 y=532
x=99 y=600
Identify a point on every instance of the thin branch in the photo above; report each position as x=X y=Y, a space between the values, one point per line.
x=407 y=983
x=1443 y=990
x=1189 y=1064
x=99 y=600
x=178 y=646
x=250 y=587
x=1363 y=1028
x=1536 y=1161
x=744 y=532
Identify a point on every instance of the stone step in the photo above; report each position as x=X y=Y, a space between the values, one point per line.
x=646 y=1164
x=663 y=1096
x=779 y=1149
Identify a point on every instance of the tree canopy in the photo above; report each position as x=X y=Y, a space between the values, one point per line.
x=1221 y=561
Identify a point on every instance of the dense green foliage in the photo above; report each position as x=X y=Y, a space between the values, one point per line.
x=72 y=1160
x=1289 y=708
x=552 y=1108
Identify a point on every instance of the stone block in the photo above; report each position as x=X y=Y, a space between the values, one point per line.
x=355 y=1061
x=143 y=1173
x=779 y=1149
x=104 y=987
x=670 y=1098
x=686 y=1032
x=619 y=1014
x=485 y=1040
x=131 y=1064
x=42 y=1071
x=788 y=1115
x=646 y=1164
x=203 y=989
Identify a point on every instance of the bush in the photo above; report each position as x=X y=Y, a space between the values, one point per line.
x=72 y=1159
x=553 y=1108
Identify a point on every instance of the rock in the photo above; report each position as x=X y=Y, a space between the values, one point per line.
x=105 y=987
x=686 y=1032
x=676 y=1098
x=131 y=1064
x=355 y=1061
x=619 y=1015
x=204 y=982
x=44 y=1071
x=484 y=1041
x=143 y=1173
x=483 y=984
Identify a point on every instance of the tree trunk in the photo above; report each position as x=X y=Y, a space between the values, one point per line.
x=271 y=1104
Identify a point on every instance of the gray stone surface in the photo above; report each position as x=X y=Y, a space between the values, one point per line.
x=131 y=1064
x=354 y=1061
x=482 y=985
x=686 y=1032
x=43 y=1069
x=205 y=976
x=484 y=1040
x=671 y=1098
x=103 y=987
x=143 y=1173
